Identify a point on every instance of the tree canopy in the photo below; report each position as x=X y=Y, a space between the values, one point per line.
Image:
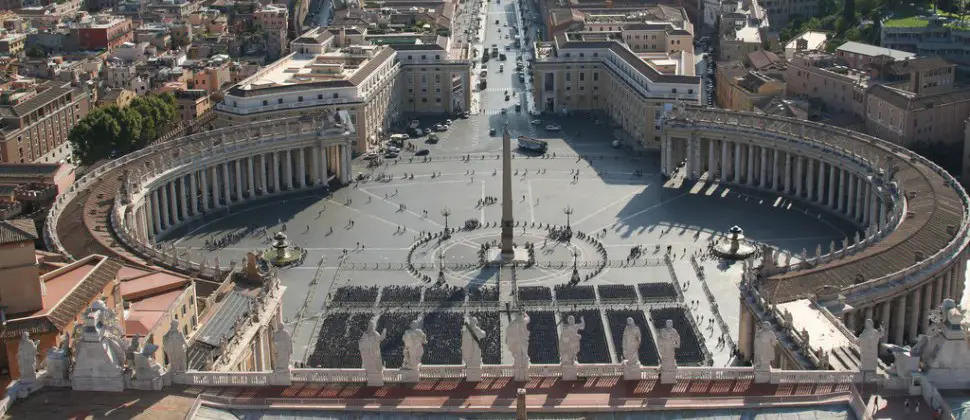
x=110 y=132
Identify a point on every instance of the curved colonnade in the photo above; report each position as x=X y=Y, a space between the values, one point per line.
x=164 y=186
x=910 y=251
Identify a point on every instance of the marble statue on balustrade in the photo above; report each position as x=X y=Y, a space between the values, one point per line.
x=471 y=344
x=282 y=349
x=370 y=347
x=631 y=343
x=146 y=368
x=134 y=346
x=414 y=340
x=59 y=361
x=668 y=342
x=764 y=352
x=99 y=365
x=517 y=340
x=869 y=347
x=27 y=357
x=176 y=348
x=569 y=340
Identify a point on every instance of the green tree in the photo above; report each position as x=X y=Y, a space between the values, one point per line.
x=111 y=132
x=94 y=136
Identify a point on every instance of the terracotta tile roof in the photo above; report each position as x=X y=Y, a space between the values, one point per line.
x=17 y=230
x=90 y=288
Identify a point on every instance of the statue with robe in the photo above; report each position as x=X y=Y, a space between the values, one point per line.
x=282 y=349
x=869 y=346
x=370 y=347
x=146 y=368
x=668 y=343
x=631 y=342
x=471 y=343
x=569 y=340
x=764 y=347
x=414 y=341
x=27 y=356
x=175 y=348
x=517 y=339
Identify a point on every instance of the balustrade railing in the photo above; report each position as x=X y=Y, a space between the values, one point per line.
x=223 y=378
x=710 y=373
x=814 y=376
x=328 y=375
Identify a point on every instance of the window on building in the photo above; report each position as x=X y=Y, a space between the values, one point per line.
x=582 y=77
x=279 y=101
x=299 y=99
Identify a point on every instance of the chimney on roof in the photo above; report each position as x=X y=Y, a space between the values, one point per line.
x=342 y=38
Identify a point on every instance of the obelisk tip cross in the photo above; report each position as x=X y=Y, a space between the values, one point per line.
x=507 y=222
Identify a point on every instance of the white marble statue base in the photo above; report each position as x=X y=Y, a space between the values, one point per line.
x=473 y=373
x=668 y=375
x=411 y=375
x=631 y=371
x=520 y=372
x=762 y=376
x=570 y=371
x=152 y=384
x=519 y=256
x=103 y=384
x=375 y=378
x=281 y=378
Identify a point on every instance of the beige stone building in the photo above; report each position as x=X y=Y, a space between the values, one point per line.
x=37 y=120
x=822 y=78
x=572 y=74
x=749 y=91
x=340 y=70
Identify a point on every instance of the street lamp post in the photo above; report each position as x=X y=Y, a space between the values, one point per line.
x=568 y=211
x=446 y=212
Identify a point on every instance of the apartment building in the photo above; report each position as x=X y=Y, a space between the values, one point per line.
x=780 y=12
x=345 y=70
x=743 y=89
x=575 y=74
x=821 y=77
x=36 y=121
x=104 y=32
x=192 y=103
x=431 y=80
x=859 y=56
x=12 y=44
x=926 y=108
x=929 y=36
x=326 y=71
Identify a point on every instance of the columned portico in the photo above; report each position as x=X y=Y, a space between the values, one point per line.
x=252 y=176
x=226 y=191
x=194 y=193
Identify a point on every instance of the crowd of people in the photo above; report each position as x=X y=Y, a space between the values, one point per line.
x=336 y=345
x=568 y=292
x=401 y=294
x=657 y=291
x=614 y=292
x=592 y=346
x=535 y=294
x=355 y=294
x=649 y=356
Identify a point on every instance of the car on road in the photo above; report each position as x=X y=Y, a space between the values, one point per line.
x=433 y=138
x=441 y=127
x=393 y=149
x=504 y=111
x=553 y=127
x=465 y=115
x=501 y=68
x=536 y=122
x=448 y=122
x=369 y=156
x=390 y=155
x=422 y=152
x=491 y=131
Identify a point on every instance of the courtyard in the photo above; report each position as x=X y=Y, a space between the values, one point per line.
x=365 y=255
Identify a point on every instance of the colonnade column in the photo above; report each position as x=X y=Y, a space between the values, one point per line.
x=325 y=164
x=184 y=196
x=276 y=171
x=156 y=215
x=809 y=179
x=842 y=191
x=300 y=169
x=788 y=186
x=763 y=180
x=288 y=169
x=867 y=213
x=205 y=188
x=226 y=185
x=898 y=322
x=345 y=164
x=194 y=193
x=263 y=165
x=884 y=317
x=163 y=208
x=315 y=161
x=737 y=163
x=915 y=299
x=252 y=176
x=927 y=307
x=725 y=161
x=820 y=185
x=850 y=199
x=172 y=208
x=832 y=186
x=799 y=175
x=750 y=180
x=859 y=193
x=238 y=180
x=216 y=189
x=776 y=172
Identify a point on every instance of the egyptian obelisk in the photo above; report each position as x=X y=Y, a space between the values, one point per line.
x=507 y=224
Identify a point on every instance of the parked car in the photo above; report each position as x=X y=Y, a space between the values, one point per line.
x=553 y=127
x=536 y=122
x=390 y=155
x=422 y=152
x=369 y=156
x=491 y=131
